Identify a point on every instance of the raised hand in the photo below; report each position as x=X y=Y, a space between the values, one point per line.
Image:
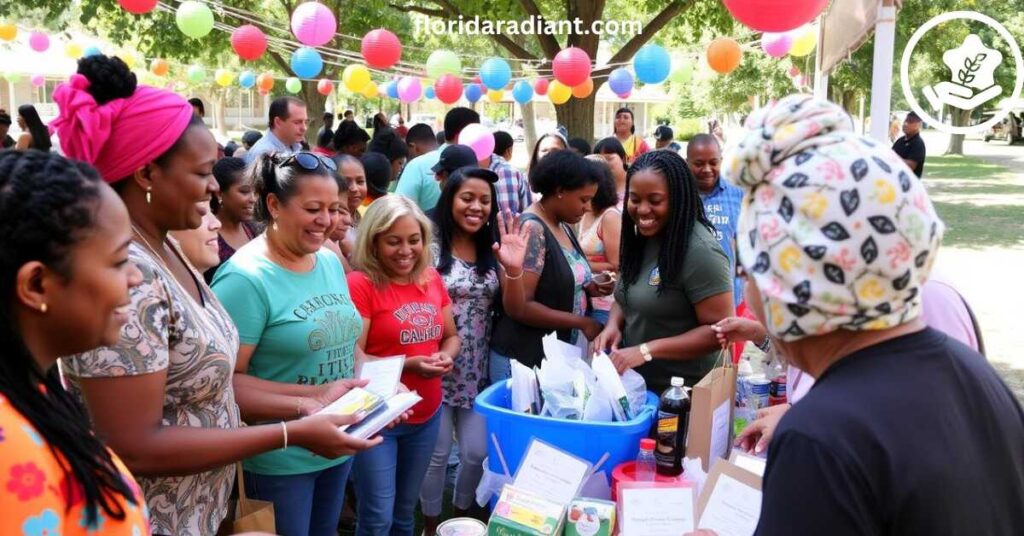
x=511 y=247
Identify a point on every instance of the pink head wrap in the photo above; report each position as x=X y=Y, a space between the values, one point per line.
x=120 y=136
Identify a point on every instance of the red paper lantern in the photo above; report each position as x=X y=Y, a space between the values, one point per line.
x=540 y=87
x=138 y=7
x=249 y=42
x=775 y=15
x=477 y=81
x=448 y=88
x=571 y=66
x=381 y=49
x=325 y=86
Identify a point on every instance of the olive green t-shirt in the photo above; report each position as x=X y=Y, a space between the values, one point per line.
x=648 y=316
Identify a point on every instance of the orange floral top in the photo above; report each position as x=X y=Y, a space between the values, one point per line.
x=35 y=496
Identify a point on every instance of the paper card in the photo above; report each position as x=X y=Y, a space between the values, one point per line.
x=384 y=374
x=721 y=422
x=356 y=400
x=753 y=464
x=551 y=473
x=376 y=422
x=647 y=509
x=730 y=503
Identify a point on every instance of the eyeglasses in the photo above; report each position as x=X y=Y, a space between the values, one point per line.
x=310 y=161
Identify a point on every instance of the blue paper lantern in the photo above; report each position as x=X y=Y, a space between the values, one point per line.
x=306 y=62
x=91 y=51
x=522 y=92
x=652 y=64
x=429 y=92
x=473 y=93
x=620 y=81
x=392 y=89
x=247 y=79
x=495 y=73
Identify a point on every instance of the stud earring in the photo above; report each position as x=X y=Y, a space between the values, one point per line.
x=635 y=230
x=149 y=196
x=274 y=225
x=43 y=308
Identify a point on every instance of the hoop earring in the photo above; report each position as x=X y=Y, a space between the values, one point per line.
x=149 y=196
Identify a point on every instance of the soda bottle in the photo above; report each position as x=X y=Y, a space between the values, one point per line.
x=645 y=463
x=673 y=422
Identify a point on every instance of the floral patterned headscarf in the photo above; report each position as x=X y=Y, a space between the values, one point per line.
x=836 y=231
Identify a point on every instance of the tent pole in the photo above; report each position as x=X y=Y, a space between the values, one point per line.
x=881 y=75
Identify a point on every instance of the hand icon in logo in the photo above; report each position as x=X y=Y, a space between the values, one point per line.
x=973 y=83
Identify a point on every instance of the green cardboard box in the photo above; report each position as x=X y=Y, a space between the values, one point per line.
x=519 y=513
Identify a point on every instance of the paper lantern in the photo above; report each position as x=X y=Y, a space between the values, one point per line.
x=724 y=55
x=265 y=81
x=583 y=90
x=776 y=45
x=652 y=64
x=443 y=62
x=73 y=50
x=793 y=71
x=540 y=86
x=381 y=49
x=391 y=89
x=620 y=80
x=314 y=24
x=448 y=88
x=522 y=92
x=559 y=93
x=13 y=77
x=159 y=67
x=306 y=62
x=194 y=19
x=137 y=7
x=775 y=15
x=196 y=74
x=128 y=59
x=476 y=80
x=474 y=92
x=224 y=77
x=495 y=73
x=91 y=51
x=624 y=96
x=247 y=79
x=477 y=137
x=410 y=89
x=39 y=41
x=371 y=91
x=355 y=77
x=8 y=31
x=38 y=80
x=293 y=85
x=495 y=95
x=682 y=72
x=804 y=43
x=571 y=66
x=428 y=93
x=249 y=42
x=324 y=87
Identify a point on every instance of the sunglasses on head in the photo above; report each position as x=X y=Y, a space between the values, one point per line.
x=310 y=161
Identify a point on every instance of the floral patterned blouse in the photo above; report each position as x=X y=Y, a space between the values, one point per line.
x=473 y=298
x=36 y=497
x=534 y=262
x=197 y=345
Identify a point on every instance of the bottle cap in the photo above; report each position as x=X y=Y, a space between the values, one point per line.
x=647 y=444
x=677 y=381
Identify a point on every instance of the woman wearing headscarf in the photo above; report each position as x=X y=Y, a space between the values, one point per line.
x=905 y=431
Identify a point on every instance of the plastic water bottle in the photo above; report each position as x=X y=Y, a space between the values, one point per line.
x=646 y=466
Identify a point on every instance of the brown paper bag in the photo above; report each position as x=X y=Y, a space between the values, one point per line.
x=252 y=515
x=711 y=404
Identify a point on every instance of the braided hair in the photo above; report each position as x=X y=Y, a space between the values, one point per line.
x=685 y=211
x=47 y=204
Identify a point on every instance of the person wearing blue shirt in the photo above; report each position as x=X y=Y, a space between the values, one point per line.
x=417 y=181
x=287 y=124
x=722 y=200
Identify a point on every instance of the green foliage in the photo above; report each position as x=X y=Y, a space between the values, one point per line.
x=686 y=129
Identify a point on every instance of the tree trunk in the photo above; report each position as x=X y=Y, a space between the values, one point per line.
x=315 y=106
x=219 y=104
x=956 y=141
x=577 y=116
x=529 y=125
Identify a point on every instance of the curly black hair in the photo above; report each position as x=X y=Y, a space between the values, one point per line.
x=47 y=204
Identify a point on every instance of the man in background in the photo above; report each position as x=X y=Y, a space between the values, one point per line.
x=421 y=140
x=910 y=147
x=417 y=181
x=512 y=187
x=663 y=139
x=722 y=200
x=287 y=123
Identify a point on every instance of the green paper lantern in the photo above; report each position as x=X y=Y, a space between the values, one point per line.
x=293 y=85
x=13 y=77
x=443 y=62
x=682 y=73
x=196 y=74
x=194 y=19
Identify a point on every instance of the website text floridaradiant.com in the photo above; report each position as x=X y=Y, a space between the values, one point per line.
x=531 y=26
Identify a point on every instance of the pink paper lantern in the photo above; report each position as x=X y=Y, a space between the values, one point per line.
x=624 y=96
x=39 y=41
x=540 y=87
x=775 y=15
x=478 y=138
x=409 y=89
x=314 y=24
x=249 y=42
x=381 y=49
x=325 y=86
x=38 y=80
x=138 y=7
x=571 y=66
x=776 y=45
x=448 y=88
x=794 y=71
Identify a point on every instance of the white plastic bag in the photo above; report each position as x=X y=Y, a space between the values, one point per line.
x=524 y=388
x=608 y=379
x=636 y=390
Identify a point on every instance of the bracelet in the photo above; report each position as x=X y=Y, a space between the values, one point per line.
x=284 y=429
x=766 y=345
x=510 y=278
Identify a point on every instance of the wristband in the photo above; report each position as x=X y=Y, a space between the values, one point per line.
x=284 y=430
x=646 y=352
x=766 y=345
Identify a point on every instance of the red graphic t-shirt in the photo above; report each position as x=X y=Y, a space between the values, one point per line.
x=405 y=320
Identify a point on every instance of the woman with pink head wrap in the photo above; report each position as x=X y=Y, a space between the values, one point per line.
x=164 y=395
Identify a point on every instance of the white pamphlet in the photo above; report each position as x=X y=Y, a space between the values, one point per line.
x=656 y=511
x=750 y=463
x=389 y=411
x=733 y=508
x=384 y=374
x=551 y=473
x=720 y=427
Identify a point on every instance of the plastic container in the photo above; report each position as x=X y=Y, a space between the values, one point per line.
x=626 y=472
x=646 y=466
x=586 y=440
x=462 y=526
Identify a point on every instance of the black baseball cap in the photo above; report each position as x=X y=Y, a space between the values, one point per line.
x=453 y=157
x=912 y=117
x=663 y=133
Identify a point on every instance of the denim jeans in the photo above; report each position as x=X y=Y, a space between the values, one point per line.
x=499 y=367
x=470 y=430
x=388 y=478
x=600 y=316
x=306 y=504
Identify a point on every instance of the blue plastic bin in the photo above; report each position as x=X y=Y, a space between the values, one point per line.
x=586 y=440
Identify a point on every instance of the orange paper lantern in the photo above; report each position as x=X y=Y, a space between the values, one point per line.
x=724 y=55
x=160 y=67
x=583 y=90
x=265 y=81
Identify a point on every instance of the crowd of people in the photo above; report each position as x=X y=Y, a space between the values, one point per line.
x=208 y=307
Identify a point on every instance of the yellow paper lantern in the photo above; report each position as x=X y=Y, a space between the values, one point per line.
x=804 y=44
x=73 y=50
x=495 y=95
x=128 y=59
x=583 y=90
x=370 y=91
x=355 y=77
x=224 y=77
x=8 y=31
x=558 y=92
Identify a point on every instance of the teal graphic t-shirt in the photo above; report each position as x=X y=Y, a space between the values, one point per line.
x=304 y=327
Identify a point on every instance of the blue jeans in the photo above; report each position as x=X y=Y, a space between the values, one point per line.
x=499 y=367
x=306 y=504
x=388 y=478
x=600 y=316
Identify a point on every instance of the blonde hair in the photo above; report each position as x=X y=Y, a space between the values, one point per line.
x=378 y=219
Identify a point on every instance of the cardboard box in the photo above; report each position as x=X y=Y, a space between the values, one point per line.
x=519 y=513
x=590 y=517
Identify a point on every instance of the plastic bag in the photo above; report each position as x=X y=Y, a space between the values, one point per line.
x=693 y=468
x=524 y=389
x=610 y=382
x=490 y=485
x=636 y=390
